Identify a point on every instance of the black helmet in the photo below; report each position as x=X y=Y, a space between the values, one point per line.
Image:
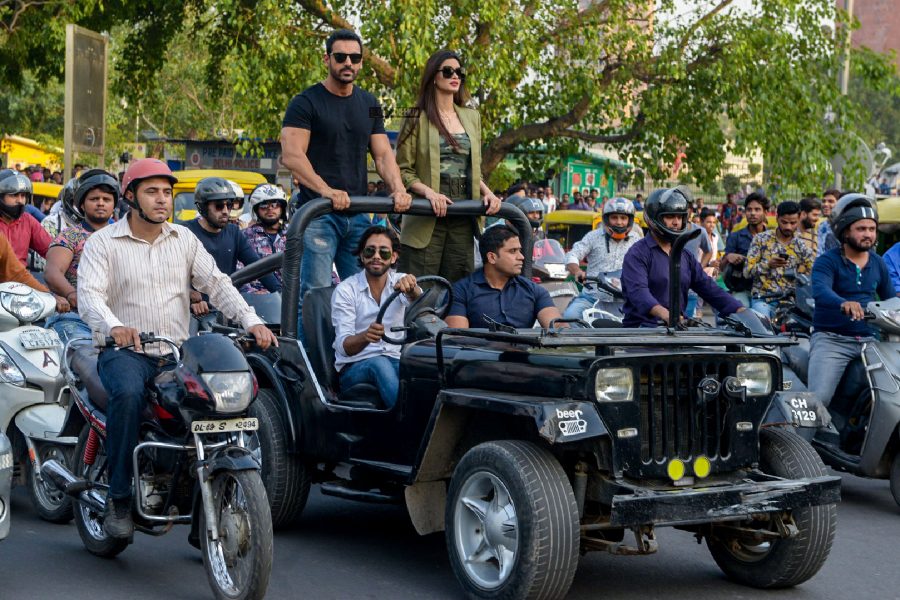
x=527 y=205
x=92 y=179
x=212 y=189
x=850 y=209
x=67 y=201
x=664 y=202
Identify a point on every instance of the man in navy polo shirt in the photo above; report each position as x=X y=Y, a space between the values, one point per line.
x=498 y=291
x=645 y=271
x=737 y=245
x=844 y=280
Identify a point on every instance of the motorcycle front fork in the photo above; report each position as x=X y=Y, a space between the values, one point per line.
x=204 y=478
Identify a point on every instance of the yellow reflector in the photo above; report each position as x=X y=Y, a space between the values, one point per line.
x=702 y=467
x=675 y=469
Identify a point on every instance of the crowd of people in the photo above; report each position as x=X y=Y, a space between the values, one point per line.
x=118 y=266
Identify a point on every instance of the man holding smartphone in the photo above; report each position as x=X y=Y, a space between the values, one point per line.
x=772 y=255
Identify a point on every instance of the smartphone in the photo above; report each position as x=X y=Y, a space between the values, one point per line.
x=783 y=255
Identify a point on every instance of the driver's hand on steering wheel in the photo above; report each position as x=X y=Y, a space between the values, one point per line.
x=374 y=333
x=407 y=285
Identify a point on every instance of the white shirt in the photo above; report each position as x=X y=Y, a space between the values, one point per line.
x=353 y=309
x=124 y=281
x=603 y=253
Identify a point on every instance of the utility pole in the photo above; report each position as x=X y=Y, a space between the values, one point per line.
x=844 y=77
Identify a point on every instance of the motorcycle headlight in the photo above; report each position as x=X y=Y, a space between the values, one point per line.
x=614 y=385
x=9 y=372
x=25 y=308
x=231 y=391
x=756 y=377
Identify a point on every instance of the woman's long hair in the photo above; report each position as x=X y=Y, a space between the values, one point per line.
x=426 y=100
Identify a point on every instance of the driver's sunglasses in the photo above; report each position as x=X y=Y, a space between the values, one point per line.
x=448 y=72
x=384 y=252
x=341 y=57
x=222 y=204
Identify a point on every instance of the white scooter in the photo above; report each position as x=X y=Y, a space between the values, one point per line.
x=33 y=395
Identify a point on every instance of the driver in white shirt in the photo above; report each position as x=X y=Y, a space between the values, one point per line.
x=361 y=355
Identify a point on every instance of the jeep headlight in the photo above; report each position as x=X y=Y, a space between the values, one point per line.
x=25 y=308
x=231 y=391
x=9 y=372
x=614 y=385
x=756 y=377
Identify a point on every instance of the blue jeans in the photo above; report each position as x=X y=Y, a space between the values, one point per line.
x=68 y=326
x=763 y=307
x=381 y=371
x=691 y=307
x=126 y=375
x=829 y=354
x=329 y=239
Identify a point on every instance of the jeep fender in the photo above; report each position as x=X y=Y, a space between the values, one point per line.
x=555 y=421
x=261 y=366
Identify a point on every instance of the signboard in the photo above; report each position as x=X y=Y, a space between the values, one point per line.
x=86 y=73
x=583 y=176
x=219 y=155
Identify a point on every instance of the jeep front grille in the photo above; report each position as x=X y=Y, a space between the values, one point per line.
x=675 y=422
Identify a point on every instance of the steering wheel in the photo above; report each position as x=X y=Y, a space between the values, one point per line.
x=421 y=305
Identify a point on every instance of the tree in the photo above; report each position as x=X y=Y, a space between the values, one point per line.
x=646 y=78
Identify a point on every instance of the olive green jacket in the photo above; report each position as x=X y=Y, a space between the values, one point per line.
x=419 y=159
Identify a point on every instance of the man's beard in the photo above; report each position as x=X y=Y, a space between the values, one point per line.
x=336 y=74
x=860 y=245
x=808 y=224
x=377 y=272
x=267 y=222
x=13 y=212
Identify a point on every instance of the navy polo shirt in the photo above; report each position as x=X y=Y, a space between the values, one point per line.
x=739 y=242
x=836 y=279
x=516 y=305
x=645 y=283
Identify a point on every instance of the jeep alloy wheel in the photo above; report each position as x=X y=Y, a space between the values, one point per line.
x=512 y=523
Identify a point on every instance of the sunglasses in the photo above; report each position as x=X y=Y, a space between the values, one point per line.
x=448 y=72
x=384 y=252
x=268 y=205
x=223 y=204
x=341 y=57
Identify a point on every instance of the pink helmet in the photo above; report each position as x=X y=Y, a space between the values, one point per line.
x=145 y=168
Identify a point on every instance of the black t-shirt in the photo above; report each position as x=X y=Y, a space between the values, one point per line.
x=340 y=128
x=228 y=247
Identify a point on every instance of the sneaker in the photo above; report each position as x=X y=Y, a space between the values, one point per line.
x=117 y=519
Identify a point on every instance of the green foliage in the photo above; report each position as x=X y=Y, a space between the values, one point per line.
x=731 y=183
x=502 y=177
x=712 y=188
x=548 y=77
x=754 y=169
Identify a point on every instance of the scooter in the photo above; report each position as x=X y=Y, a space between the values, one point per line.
x=33 y=395
x=862 y=437
x=603 y=313
x=550 y=266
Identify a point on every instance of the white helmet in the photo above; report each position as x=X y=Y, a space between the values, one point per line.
x=266 y=192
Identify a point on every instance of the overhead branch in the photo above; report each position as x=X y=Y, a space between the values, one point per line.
x=608 y=138
x=686 y=38
x=21 y=7
x=385 y=72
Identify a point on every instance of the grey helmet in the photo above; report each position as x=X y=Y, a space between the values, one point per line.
x=67 y=201
x=527 y=205
x=13 y=182
x=850 y=209
x=618 y=206
x=213 y=189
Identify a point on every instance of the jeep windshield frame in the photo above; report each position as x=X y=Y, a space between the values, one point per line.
x=289 y=261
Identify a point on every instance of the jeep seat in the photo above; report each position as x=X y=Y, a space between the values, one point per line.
x=318 y=332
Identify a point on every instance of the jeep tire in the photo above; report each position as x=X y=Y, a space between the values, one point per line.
x=512 y=523
x=783 y=562
x=284 y=474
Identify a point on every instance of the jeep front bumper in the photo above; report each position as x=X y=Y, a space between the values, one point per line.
x=731 y=502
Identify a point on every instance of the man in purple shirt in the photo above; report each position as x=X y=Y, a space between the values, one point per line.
x=645 y=271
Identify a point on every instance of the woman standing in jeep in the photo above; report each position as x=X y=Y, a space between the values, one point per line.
x=439 y=155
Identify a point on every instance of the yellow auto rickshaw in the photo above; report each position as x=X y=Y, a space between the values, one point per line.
x=183 y=191
x=42 y=190
x=888 y=223
x=569 y=226
x=771 y=223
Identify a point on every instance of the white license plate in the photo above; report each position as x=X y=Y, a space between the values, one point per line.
x=242 y=424
x=556 y=270
x=38 y=340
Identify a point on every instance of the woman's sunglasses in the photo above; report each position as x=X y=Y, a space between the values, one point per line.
x=448 y=72
x=383 y=252
x=341 y=57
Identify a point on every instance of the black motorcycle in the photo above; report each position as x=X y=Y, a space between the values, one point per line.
x=193 y=463
x=794 y=309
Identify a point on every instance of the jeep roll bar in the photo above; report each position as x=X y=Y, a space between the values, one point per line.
x=675 y=275
x=289 y=260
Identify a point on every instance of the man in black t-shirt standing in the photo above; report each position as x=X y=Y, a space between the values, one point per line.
x=326 y=133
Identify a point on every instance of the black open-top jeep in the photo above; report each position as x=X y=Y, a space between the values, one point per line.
x=531 y=446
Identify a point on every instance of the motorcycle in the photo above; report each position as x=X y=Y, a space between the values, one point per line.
x=34 y=395
x=193 y=464
x=865 y=410
x=793 y=312
x=550 y=267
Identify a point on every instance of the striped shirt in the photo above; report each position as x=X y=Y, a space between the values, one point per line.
x=126 y=281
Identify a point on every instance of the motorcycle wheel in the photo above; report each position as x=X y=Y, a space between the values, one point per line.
x=895 y=478
x=783 y=562
x=51 y=504
x=238 y=564
x=88 y=522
